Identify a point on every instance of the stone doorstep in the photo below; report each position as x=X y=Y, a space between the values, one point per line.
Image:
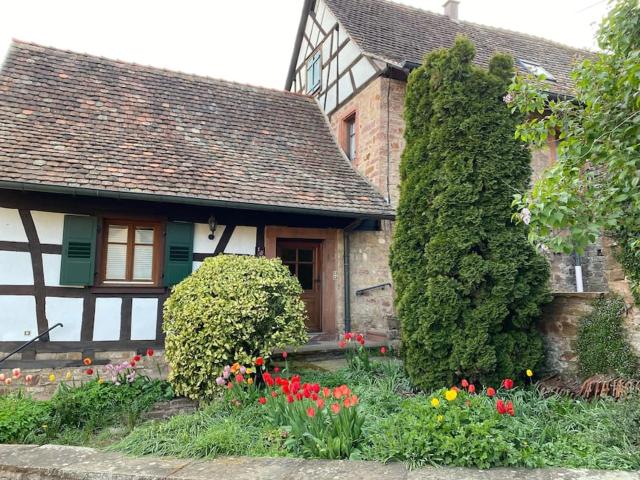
x=56 y=462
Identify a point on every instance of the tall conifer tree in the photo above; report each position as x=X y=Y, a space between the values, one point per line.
x=469 y=285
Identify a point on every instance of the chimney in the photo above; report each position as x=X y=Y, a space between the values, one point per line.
x=451 y=9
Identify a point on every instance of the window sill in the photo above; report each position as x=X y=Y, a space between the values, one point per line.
x=127 y=289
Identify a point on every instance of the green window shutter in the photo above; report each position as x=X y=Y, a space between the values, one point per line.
x=78 y=250
x=178 y=252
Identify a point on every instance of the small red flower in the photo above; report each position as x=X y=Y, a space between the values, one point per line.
x=87 y=361
x=383 y=350
x=89 y=371
x=464 y=383
x=137 y=358
x=132 y=363
x=326 y=392
x=150 y=352
x=510 y=409
x=335 y=408
x=348 y=336
x=500 y=407
x=299 y=396
x=491 y=392
x=507 y=383
x=320 y=403
x=276 y=369
x=472 y=388
x=290 y=398
x=342 y=344
x=239 y=378
x=259 y=361
x=262 y=400
x=311 y=412
x=359 y=338
x=274 y=394
x=315 y=388
x=284 y=354
x=314 y=396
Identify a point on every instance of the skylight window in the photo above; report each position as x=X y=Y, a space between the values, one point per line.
x=536 y=69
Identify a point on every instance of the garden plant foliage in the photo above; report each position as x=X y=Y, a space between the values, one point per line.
x=232 y=309
x=602 y=343
x=469 y=286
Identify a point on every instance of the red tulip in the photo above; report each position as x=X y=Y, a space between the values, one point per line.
x=274 y=394
x=472 y=388
x=359 y=338
x=262 y=400
x=137 y=358
x=259 y=361
x=299 y=396
x=383 y=350
x=342 y=344
x=491 y=392
x=500 y=406
x=510 y=409
x=89 y=371
x=276 y=369
x=507 y=383
x=335 y=408
x=311 y=412
x=284 y=354
x=348 y=336
x=132 y=363
x=150 y=352
x=464 y=383
x=316 y=388
x=290 y=398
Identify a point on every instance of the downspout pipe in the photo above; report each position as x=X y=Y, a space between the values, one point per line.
x=578 y=267
x=346 y=234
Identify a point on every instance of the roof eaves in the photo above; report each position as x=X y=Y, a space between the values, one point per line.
x=380 y=214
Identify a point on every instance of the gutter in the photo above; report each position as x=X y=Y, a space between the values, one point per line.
x=150 y=197
x=347 y=274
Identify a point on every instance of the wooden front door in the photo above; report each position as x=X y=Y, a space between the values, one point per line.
x=304 y=259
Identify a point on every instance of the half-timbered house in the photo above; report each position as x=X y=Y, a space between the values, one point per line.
x=118 y=180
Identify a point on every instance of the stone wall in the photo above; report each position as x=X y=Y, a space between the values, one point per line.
x=379 y=144
x=559 y=327
x=43 y=387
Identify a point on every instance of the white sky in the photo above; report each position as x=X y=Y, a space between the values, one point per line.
x=247 y=41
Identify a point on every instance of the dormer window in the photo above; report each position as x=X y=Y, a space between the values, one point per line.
x=536 y=69
x=314 y=72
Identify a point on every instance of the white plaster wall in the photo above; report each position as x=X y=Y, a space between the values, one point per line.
x=107 y=319
x=67 y=311
x=17 y=316
x=11 y=229
x=51 y=267
x=144 y=316
x=49 y=226
x=15 y=268
x=201 y=242
x=243 y=241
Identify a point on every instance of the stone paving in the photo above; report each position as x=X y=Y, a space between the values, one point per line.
x=22 y=462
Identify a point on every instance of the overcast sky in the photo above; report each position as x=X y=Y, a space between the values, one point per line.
x=248 y=41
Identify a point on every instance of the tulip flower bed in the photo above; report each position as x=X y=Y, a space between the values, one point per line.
x=374 y=414
x=82 y=408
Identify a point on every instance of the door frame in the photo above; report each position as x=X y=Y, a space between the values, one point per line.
x=331 y=286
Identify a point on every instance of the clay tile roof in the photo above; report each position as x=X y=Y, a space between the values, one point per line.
x=399 y=33
x=92 y=124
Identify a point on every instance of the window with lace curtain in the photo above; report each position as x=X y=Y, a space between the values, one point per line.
x=131 y=253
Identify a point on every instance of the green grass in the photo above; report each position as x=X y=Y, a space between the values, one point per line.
x=401 y=425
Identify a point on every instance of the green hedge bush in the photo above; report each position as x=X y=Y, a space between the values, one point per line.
x=602 y=345
x=232 y=309
x=22 y=419
x=469 y=285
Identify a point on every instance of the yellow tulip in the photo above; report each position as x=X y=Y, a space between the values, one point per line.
x=68 y=376
x=52 y=378
x=249 y=370
x=451 y=395
x=529 y=373
x=435 y=402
